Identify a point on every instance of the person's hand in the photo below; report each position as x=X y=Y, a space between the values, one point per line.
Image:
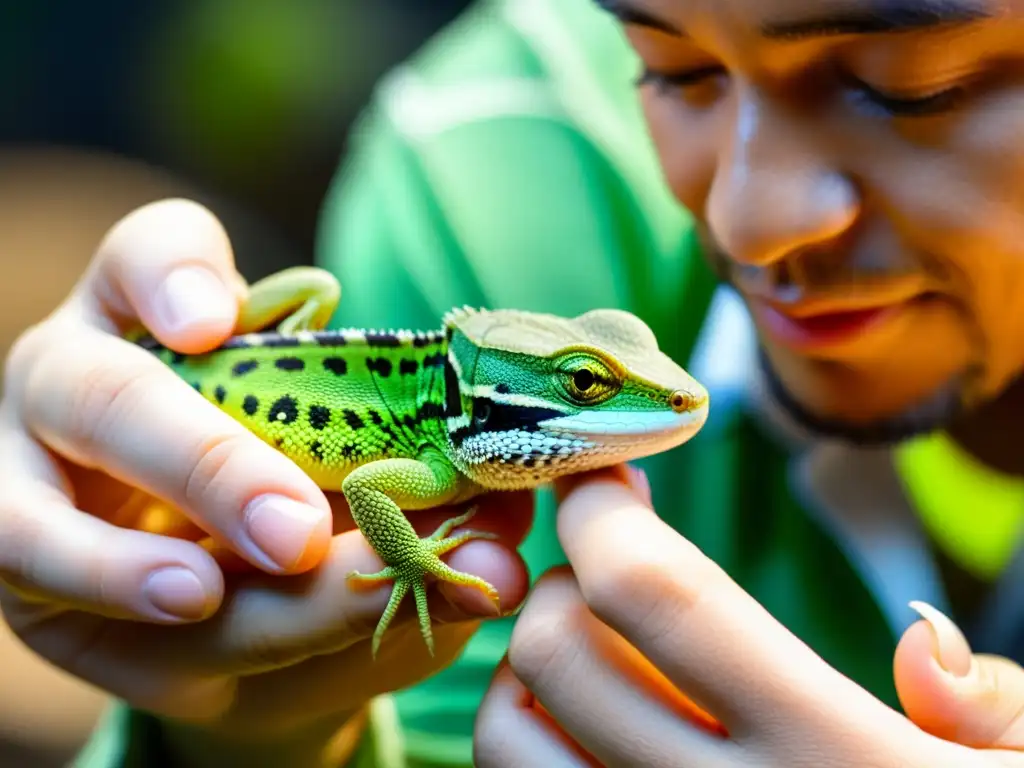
x=155 y=548
x=646 y=653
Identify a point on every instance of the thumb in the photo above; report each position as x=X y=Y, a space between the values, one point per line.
x=970 y=699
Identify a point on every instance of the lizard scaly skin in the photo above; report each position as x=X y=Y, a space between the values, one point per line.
x=402 y=420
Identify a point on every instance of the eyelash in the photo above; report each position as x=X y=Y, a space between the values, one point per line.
x=933 y=104
x=664 y=81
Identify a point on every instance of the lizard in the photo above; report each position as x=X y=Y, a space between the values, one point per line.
x=491 y=400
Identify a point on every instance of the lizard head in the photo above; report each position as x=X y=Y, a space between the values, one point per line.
x=531 y=396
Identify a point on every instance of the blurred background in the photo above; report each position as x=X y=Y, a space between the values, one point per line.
x=244 y=105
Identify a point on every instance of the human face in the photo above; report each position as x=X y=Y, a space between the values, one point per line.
x=856 y=168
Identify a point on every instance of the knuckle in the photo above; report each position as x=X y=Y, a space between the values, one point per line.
x=264 y=653
x=263 y=650
x=212 y=468
x=542 y=647
x=104 y=398
x=618 y=585
x=648 y=597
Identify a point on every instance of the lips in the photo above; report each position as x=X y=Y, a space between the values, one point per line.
x=823 y=329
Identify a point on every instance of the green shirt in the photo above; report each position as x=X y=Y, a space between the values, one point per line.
x=507 y=165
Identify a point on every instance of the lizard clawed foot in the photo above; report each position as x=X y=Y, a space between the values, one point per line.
x=411 y=573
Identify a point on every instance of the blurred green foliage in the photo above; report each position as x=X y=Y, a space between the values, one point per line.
x=250 y=99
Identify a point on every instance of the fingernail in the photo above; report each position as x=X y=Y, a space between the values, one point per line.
x=281 y=528
x=640 y=483
x=952 y=650
x=177 y=592
x=193 y=296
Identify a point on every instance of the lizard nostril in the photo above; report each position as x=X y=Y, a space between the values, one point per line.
x=682 y=401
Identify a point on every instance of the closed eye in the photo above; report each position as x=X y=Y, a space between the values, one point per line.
x=934 y=103
x=861 y=93
x=668 y=80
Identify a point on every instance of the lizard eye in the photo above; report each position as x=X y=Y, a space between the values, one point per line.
x=583 y=379
x=586 y=380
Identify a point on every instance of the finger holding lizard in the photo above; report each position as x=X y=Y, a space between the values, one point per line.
x=76 y=399
x=89 y=418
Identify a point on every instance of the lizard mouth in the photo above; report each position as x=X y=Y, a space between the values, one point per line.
x=622 y=425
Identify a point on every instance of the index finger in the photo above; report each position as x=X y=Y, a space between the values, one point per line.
x=690 y=619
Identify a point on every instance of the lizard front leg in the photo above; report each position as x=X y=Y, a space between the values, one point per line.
x=305 y=297
x=377 y=493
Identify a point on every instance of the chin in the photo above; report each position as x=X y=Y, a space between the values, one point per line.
x=933 y=413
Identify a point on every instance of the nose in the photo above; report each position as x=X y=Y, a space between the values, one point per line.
x=774 y=192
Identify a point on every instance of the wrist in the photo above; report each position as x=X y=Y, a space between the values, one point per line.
x=328 y=743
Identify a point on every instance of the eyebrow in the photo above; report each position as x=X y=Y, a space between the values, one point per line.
x=879 y=17
x=627 y=13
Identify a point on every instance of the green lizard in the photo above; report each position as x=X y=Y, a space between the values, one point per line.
x=402 y=420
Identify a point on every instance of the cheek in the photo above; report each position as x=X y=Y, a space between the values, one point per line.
x=961 y=198
x=686 y=150
x=968 y=192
